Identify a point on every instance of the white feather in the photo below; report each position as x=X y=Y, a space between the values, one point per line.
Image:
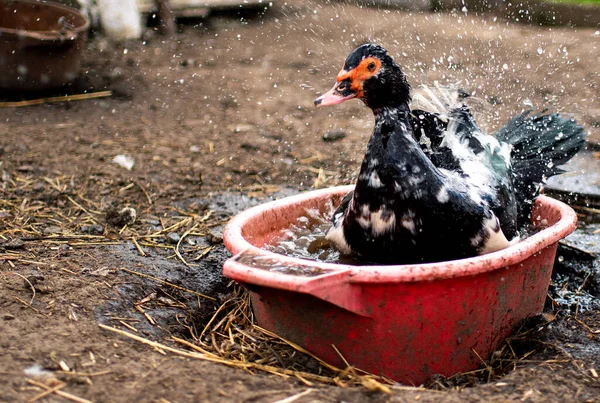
x=335 y=235
x=496 y=240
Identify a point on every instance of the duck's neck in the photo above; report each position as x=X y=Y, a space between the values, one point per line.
x=394 y=164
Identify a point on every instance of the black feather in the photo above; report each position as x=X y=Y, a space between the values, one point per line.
x=540 y=144
x=343 y=204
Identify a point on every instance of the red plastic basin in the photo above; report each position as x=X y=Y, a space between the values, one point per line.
x=405 y=322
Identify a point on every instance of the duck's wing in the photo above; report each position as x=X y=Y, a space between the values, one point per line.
x=449 y=135
x=431 y=109
x=437 y=99
x=448 y=132
x=428 y=129
x=485 y=161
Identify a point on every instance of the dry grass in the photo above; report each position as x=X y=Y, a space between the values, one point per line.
x=232 y=337
x=56 y=211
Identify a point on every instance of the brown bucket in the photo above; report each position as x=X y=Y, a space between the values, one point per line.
x=40 y=44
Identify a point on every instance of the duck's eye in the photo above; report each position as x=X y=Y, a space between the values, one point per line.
x=371 y=66
x=342 y=86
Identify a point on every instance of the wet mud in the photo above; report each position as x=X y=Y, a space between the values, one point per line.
x=575 y=285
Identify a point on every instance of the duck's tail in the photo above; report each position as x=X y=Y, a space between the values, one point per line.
x=540 y=144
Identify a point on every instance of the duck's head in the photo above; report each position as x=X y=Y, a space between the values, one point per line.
x=370 y=75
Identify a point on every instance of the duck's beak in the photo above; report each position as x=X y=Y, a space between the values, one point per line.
x=339 y=93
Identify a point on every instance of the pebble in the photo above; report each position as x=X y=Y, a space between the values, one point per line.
x=33 y=280
x=122 y=217
x=213 y=239
x=26 y=168
x=334 y=135
x=13 y=244
x=52 y=230
x=249 y=146
x=93 y=229
x=63 y=250
x=115 y=73
x=8 y=316
x=173 y=237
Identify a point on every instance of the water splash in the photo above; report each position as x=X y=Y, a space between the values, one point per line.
x=306 y=237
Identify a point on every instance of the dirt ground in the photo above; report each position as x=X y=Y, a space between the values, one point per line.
x=216 y=119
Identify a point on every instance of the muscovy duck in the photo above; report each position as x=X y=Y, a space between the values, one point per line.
x=432 y=186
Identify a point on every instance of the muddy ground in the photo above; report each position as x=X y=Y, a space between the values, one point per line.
x=216 y=119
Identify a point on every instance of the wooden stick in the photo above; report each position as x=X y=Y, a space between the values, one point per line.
x=62 y=237
x=86 y=375
x=138 y=247
x=589 y=329
x=153 y=343
x=47 y=392
x=66 y=98
x=186 y=233
x=27 y=305
x=148 y=317
x=28 y=282
x=205 y=252
x=145 y=191
x=59 y=392
x=128 y=326
x=171 y=228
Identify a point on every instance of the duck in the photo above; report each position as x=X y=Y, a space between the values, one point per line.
x=432 y=185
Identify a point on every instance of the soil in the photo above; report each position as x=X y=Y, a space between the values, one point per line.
x=216 y=119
